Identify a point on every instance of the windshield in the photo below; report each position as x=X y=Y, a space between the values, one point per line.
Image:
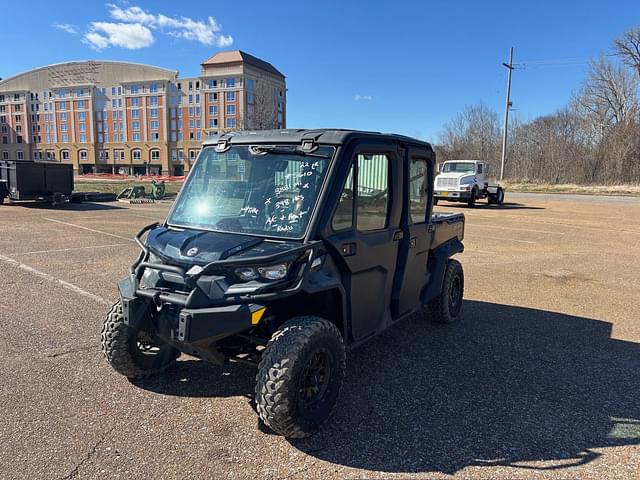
x=261 y=190
x=459 y=167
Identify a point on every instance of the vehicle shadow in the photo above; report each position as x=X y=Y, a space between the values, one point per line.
x=486 y=206
x=190 y=377
x=505 y=386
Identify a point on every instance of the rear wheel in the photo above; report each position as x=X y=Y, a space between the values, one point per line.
x=500 y=196
x=300 y=376
x=132 y=352
x=446 y=307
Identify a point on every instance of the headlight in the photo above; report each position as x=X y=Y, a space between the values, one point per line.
x=246 y=273
x=274 y=272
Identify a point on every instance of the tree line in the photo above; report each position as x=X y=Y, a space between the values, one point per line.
x=594 y=139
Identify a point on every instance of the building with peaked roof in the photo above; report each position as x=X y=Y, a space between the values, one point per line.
x=120 y=117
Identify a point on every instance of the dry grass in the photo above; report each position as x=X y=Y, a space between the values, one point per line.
x=572 y=188
x=116 y=186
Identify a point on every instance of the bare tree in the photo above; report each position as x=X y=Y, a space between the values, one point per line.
x=627 y=48
x=608 y=95
x=262 y=113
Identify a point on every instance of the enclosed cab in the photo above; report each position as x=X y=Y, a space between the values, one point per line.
x=282 y=250
x=466 y=181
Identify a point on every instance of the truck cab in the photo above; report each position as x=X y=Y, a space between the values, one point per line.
x=283 y=249
x=466 y=181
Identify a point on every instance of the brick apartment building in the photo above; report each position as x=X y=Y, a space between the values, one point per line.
x=118 y=117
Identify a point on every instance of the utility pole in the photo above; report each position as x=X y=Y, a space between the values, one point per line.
x=507 y=106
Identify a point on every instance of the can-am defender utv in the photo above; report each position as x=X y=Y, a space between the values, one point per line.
x=282 y=249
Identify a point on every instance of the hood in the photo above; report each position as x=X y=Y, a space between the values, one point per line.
x=196 y=247
x=455 y=175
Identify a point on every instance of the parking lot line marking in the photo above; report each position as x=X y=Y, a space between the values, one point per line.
x=88 y=229
x=51 y=278
x=72 y=248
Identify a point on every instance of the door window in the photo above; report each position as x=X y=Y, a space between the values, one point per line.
x=418 y=190
x=373 y=191
x=343 y=217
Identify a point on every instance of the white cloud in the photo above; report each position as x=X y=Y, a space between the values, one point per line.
x=363 y=98
x=131 y=36
x=67 y=27
x=206 y=32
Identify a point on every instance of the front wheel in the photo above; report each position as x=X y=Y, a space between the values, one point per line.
x=446 y=307
x=300 y=376
x=133 y=352
x=471 y=202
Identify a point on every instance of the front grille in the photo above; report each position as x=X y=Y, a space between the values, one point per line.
x=447 y=182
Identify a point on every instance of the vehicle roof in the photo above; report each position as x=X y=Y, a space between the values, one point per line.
x=478 y=161
x=332 y=136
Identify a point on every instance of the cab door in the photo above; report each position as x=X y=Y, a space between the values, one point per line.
x=418 y=232
x=365 y=232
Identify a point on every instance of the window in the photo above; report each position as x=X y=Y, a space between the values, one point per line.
x=136 y=137
x=155 y=155
x=213 y=110
x=231 y=123
x=191 y=111
x=213 y=97
x=231 y=96
x=64 y=127
x=155 y=125
x=135 y=101
x=65 y=138
x=231 y=109
x=231 y=82
x=136 y=155
x=5 y=155
x=63 y=116
x=154 y=99
x=20 y=155
x=63 y=105
x=191 y=123
x=82 y=155
x=64 y=154
x=197 y=99
x=212 y=84
x=343 y=216
x=135 y=113
x=113 y=91
x=114 y=103
x=83 y=138
x=154 y=113
x=153 y=88
x=418 y=176
x=133 y=89
x=80 y=104
x=373 y=191
x=135 y=126
x=81 y=116
x=213 y=122
x=190 y=99
x=82 y=127
x=479 y=168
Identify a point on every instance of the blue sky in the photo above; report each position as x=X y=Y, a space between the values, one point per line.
x=404 y=66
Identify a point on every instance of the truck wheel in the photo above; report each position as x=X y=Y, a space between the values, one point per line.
x=472 y=199
x=132 y=352
x=446 y=307
x=500 y=196
x=299 y=376
x=435 y=200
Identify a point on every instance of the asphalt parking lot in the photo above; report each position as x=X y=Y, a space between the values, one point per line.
x=540 y=379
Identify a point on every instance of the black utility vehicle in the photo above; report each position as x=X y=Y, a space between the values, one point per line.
x=282 y=249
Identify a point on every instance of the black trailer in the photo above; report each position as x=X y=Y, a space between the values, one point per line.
x=49 y=182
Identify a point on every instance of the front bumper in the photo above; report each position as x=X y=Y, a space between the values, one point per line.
x=452 y=195
x=183 y=326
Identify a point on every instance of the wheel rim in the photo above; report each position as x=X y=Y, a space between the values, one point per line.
x=145 y=344
x=314 y=380
x=455 y=296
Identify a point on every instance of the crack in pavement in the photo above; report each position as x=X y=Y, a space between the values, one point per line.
x=74 y=472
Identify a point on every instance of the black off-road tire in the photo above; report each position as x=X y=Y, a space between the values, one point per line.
x=446 y=307
x=121 y=347
x=471 y=202
x=283 y=376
